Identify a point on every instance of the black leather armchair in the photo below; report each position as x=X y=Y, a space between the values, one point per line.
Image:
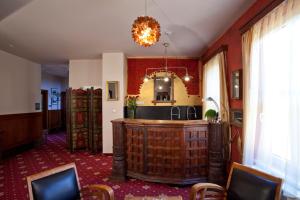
x=61 y=183
x=244 y=183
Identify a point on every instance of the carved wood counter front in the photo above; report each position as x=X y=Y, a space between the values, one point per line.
x=164 y=151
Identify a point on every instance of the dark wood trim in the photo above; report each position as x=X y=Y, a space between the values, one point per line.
x=260 y=15
x=205 y=59
x=19 y=115
x=44 y=94
x=1 y=144
x=63 y=109
x=108 y=154
x=171 y=102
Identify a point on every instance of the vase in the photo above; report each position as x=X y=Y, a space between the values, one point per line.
x=131 y=114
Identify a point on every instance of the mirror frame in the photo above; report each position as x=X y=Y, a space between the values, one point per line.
x=236 y=80
x=172 y=100
x=116 y=87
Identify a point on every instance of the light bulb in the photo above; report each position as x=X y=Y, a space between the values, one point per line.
x=160 y=87
x=187 y=78
x=146 y=79
x=166 y=79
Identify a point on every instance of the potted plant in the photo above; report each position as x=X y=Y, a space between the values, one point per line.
x=132 y=105
x=211 y=115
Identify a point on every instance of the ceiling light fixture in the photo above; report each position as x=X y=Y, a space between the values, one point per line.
x=145 y=30
x=166 y=45
x=164 y=69
x=186 y=78
x=146 y=78
x=166 y=79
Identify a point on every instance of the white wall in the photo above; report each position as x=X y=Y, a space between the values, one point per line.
x=51 y=81
x=85 y=73
x=114 y=69
x=20 y=81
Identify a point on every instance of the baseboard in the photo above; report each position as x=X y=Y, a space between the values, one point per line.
x=108 y=154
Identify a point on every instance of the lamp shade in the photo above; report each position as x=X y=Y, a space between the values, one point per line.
x=145 y=31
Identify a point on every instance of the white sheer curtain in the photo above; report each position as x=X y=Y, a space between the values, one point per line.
x=271 y=55
x=211 y=83
x=214 y=85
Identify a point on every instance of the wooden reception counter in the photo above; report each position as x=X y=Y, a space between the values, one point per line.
x=164 y=151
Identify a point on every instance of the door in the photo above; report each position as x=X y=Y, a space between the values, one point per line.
x=63 y=110
x=44 y=94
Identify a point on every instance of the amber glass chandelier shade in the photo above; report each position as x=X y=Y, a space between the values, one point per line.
x=145 y=31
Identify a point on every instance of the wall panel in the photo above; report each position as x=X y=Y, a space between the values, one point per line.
x=19 y=129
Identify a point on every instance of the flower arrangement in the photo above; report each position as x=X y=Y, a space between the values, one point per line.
x=132 y=104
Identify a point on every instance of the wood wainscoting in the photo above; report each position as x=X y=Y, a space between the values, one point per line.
x=20 y=129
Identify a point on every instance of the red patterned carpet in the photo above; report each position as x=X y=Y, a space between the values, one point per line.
x=92 y=169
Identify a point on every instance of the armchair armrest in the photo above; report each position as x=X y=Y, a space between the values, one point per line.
x=207 y=191
x=102 y=192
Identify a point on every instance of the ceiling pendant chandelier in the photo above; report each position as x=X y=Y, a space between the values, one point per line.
x=165 y=69
x=145 y=30
x=166 y=78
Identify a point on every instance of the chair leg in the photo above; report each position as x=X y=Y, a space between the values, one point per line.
x=207 y=191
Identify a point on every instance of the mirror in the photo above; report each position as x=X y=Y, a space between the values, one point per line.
x=236 y=117
x=163 y=90
x=236 y=84
x=112 y=90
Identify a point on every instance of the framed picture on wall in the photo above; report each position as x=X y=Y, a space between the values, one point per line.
x=54 y=100
x=54 y=92
x=112 y=90
x=54 y=96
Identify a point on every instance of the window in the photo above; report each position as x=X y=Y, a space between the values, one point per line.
x=211 y=83
x=272 y=95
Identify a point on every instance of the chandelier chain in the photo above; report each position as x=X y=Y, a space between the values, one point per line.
x=166 y=56
x=145 y=29
x=146 y=13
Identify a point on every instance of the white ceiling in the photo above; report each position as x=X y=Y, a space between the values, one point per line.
x=54 y=31
x=61 y=70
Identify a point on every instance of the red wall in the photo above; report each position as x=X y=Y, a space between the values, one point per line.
x=232 y=38
x=137 y=69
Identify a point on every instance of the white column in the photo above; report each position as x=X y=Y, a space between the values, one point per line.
x=114 y=69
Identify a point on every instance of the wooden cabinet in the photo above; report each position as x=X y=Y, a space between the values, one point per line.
x=20 y=129
x=175 y=152
x=218 y=152
x=164 y=151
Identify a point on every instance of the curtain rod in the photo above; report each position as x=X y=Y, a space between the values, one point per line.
x=204 y=59
x=260 y=15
